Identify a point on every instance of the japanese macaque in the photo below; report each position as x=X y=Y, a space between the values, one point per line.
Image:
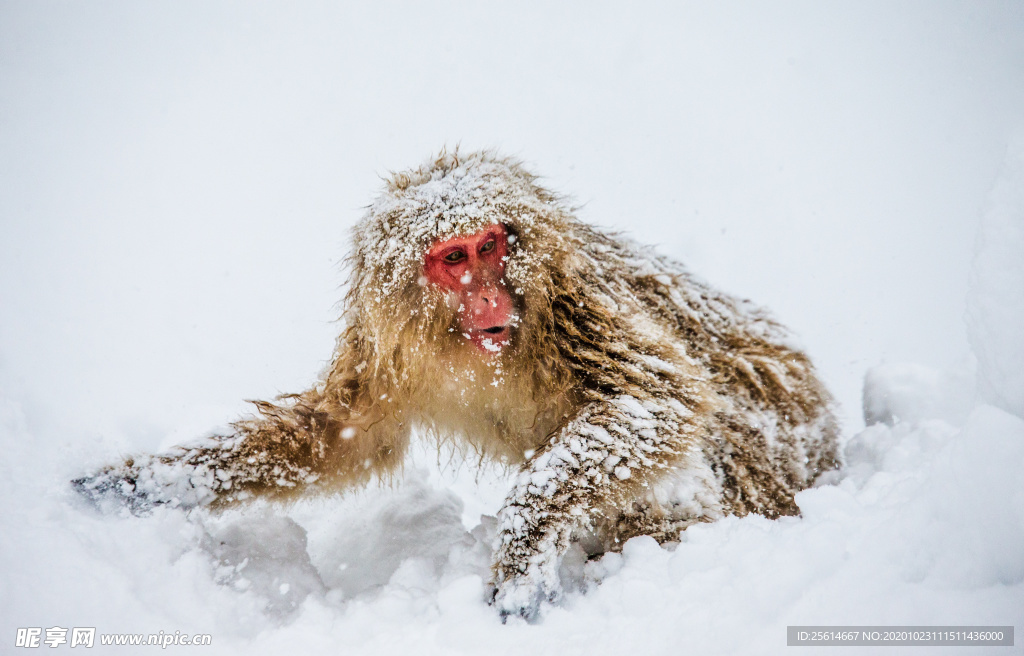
x=632 y=398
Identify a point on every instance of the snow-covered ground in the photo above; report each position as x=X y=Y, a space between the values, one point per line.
x=178 y=180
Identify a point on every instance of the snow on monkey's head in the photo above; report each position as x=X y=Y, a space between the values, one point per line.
x=458 y=229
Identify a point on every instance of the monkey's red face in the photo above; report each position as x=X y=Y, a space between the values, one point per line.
x=472 y=268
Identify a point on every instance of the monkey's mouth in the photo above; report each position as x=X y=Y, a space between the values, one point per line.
x=490 y=340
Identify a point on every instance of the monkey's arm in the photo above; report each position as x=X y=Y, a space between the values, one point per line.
x=597 y=462
x=305 y=442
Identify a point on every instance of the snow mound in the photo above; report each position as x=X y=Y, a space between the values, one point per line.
x=926 y=527
x=267 y=555
x=908 y=392
x=995 y=305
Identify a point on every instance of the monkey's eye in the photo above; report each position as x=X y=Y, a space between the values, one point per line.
x=454 y=256
x=488 y=247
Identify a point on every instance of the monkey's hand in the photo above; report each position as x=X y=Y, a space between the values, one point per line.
x=530 y=544
x=114 y=486
x=595 y=461
x=217 y=468
x=140 y=484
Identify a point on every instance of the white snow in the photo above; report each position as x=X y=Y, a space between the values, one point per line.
x=996 y=302
x=179 y=183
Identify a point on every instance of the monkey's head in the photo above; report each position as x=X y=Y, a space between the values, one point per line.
x=453 y=260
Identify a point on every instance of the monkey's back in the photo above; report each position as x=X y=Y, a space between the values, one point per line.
x=771 y=431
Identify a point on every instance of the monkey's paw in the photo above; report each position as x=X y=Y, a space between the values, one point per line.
x=115 y=488
x=522 y=596
x=142 y=483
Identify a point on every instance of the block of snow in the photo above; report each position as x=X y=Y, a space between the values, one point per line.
x=908 y=392
x=995 y=303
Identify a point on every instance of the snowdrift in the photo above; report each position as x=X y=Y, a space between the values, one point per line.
x=926 y=527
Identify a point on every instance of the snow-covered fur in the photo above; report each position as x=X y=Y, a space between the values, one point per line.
x=633 y=398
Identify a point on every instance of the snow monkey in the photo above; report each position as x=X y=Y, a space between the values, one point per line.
x=631 y=397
